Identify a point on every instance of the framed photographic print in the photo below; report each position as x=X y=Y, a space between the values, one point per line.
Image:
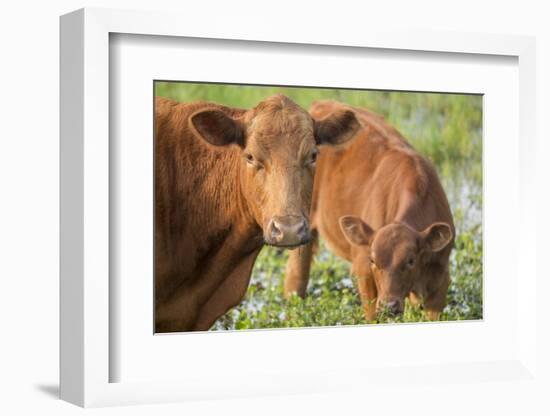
x=242 y=215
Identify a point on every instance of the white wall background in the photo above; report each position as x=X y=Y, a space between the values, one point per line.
x=29 y=116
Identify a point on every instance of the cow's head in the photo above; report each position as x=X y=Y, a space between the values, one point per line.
x=393 y=255
x=278 y=143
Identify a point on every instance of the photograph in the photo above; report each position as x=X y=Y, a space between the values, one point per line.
x=297 y=206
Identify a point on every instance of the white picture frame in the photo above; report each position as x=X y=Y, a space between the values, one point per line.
x=85 y=179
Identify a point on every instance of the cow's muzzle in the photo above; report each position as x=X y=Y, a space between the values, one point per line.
x=287 y=231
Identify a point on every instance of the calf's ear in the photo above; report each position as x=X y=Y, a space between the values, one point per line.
x=437 y=236
x=336 y=128
x=217 y=128
x=356 y=231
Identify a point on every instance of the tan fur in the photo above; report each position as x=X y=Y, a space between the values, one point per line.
x=221 y=176
x=395 y=194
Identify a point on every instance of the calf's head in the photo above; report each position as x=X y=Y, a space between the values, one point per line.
x=393 y=255
x=278 y=143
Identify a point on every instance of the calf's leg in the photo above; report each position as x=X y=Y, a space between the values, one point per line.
x=368 y=294
x=436 y=299
x=414 y=299
x=298 y=267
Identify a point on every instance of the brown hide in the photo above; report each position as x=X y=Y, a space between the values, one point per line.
x=227 y=181
x=379 y=204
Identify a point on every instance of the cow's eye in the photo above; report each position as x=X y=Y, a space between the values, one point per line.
x=410 y=262
x=252 y=162
x=249 y=159
x=371 y=260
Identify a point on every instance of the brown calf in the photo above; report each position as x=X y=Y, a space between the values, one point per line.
x=226 y=181
x=380 y=205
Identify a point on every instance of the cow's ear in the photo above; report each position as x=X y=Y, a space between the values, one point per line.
x=217 y=128
x=338 y=127
x=356 y=231
x=437 y=236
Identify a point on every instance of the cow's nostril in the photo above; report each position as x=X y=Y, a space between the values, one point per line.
x=275 y=230
x=302 y=230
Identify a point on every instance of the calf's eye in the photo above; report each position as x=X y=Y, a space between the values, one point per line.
x=410 y=262
x=313 y=157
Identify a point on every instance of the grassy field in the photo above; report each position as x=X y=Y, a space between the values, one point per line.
x=444 y=127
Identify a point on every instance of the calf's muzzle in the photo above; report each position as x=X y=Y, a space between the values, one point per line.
x=393 y=307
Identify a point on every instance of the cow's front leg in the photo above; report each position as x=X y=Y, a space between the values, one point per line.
x=230 y=293
x=298 y=267
x=182 y=310
x=177 y=315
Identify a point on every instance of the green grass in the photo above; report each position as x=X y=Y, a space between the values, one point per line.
x=444 y=127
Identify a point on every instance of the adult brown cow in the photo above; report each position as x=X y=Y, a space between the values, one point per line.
x=227 y=181
x=380 y=205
